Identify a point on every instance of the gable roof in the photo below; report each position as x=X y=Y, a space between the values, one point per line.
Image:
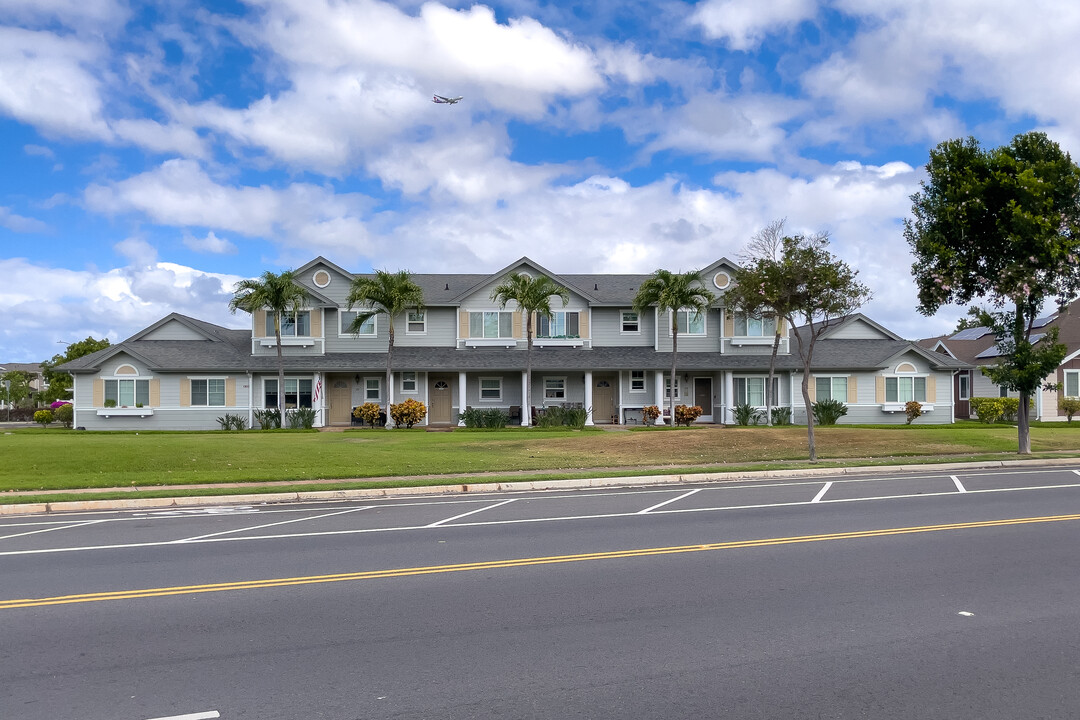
x=523 y=260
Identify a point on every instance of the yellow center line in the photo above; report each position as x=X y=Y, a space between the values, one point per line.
x=512 y=563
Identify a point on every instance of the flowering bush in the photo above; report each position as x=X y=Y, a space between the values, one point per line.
x=58 y=403
x=913 y=409
x=368 y=412
x=408 y=412
x=44 y=417
x=687 y=414
x=650 y=413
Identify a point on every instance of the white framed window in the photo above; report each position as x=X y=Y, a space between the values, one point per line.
x=555 y=388
x=1072 y=383
x=747 y=325
x=637 y=381
x=667 y=387
x=905 y=389
x=631 y=323
x=208 y=392
x=964 y=391
x=690 y=322
x=345 y=319
x=1003 y=391
x=296 y=324
x=372 y=389
x=491 y=389
x=415 y=322
x=297 y=392
x=408 y=382
x=558 y=325
x=751 y=391
x=831 y=388
x=491 y=324
x=127 y=393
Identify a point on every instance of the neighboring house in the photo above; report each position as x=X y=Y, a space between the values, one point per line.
x=465 y=351
x=37 y=382
x=978 y=347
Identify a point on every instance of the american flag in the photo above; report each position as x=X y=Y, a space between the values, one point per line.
x=318 y=390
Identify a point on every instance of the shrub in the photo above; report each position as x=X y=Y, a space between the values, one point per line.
x=43 y=417
x=781 y=416
x=988 y=410
x=109 y=403
x=408 y=413
x=1070 y=406
x=553 y=416
x=369 y=412
x=913 y=409
x=575 y=417
x=747 y=414
x=269 y=418
x=232 y=422
x=649 y=413
x=827 y=412
x=687 y=414
x=1010 y=408
x=489 y=418
x=300 y=418
x=65 y=413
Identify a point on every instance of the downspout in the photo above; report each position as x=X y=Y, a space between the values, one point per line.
x=251 y=399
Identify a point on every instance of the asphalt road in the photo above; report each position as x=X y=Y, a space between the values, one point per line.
x=905 y=596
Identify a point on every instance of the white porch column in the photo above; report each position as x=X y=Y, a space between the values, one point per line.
x=320 y=403
x=461 y=398
x=588 y=397
x=729 y=397
x=658 y=396
x=526 y=411
x=251 y=400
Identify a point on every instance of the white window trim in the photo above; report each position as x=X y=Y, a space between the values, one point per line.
x=673 y=320
x=281 y=391
x=764 y=383
x=284 y=337
x=644 y=383
x=416 y=332
x=501 y=340
x=847 y=387
x=564 y=388
x=401 y=383
x=890 y=405
x=364 y=385
x=629 y=332
x=1065 y=382
x=191 y=393
x=960 y=386
x=678 y=387
x=135 y=394
x=763 y=339
x=344 y=332
x=480 y=389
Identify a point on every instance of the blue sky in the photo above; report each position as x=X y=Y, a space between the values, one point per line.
x=154 y=153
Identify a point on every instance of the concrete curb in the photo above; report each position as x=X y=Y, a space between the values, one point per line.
x=524 y=486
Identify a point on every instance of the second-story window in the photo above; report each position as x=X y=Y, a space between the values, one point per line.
x=557 y=325
x=491 y=324
x=415 y=322
x=292 y=324
x=747 y=325
x=347 y=318
x=630 y=322
x=690 y=322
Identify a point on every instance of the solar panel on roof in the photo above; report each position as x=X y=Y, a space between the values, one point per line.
x=995 y=351
x=970 y=333
x=1043 y=321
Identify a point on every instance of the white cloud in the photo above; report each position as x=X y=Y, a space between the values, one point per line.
x=209 y=244
x=80 y=15
x=20 y=224
x=743 y=24
x=38 y=150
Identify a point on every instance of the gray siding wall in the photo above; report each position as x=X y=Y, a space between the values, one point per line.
x=174 y=331
x=607 y=329
x=441 y=329
x=858 y=330
x=347 y=342
x=710 y=342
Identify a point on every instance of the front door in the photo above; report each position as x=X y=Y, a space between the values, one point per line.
x=440 y=400
x=703 y=397
x=603 y=400
x=340 y=399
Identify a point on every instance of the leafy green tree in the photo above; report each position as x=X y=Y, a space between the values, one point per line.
x=671 y=292
x=533 y=298
x=806 y=285
x=1003 y=226
x=57 y=382
x=390 y=294
x=278 y=294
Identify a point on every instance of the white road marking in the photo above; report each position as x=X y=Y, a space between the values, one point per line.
x=821 y=493
x=222 y=510
x=208 y=715
x=959 y=485
x=471 y=512
x=283 y=522
x=965 y=613
x=667 y=502
x=65 y=526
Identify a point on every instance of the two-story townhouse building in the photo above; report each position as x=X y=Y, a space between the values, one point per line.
x=465 y=351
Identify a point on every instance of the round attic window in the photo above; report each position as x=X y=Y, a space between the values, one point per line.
x=721 y=280
x=321 y=278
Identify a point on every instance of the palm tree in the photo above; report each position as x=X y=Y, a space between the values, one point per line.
x=533 y=296
x=672 y=292
x=278 y=294
x=388 y=293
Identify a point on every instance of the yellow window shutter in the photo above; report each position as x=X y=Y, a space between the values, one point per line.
x=853 y=390
x=230 y=392
x=880 y=396
x=260 y=323
x=316 y=323
x=463 y=324
x=811 y=388
x=729 y=324
x=516 y=331
x=931 y=389
x=583 y=323
x=155 y=392
x=99 y=392
x=185 y=392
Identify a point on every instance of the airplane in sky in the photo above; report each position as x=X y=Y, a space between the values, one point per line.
x=439 y=99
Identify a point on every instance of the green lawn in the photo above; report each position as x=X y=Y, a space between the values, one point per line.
x=57 y=459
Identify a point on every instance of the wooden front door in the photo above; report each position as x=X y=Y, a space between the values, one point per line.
x=603 y=400
x=439 y=396
x=339 y=398
x=703 y=397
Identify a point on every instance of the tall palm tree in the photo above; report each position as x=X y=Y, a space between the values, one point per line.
x=390 y=294
x=672 y=292
x=533 y=296
x=278 y=294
